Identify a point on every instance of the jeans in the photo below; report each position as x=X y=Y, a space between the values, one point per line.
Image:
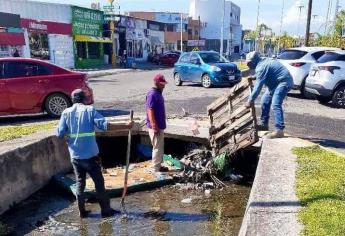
x=275 y=99
x=93 y=168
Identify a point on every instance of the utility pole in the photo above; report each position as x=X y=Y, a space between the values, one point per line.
x=281 y=26
x=328 y=15
x=307 y=32
x=181 y=33
x=336 y=14
x=257 y=27
x=222 y=30
x=299 y=22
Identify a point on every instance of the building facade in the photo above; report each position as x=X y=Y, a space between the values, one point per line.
x=11 y=35
x=46 y=28
x=87 y=29
x=210 y=13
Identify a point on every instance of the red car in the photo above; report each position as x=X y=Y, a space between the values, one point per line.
x=168 y=58
x=33 y=86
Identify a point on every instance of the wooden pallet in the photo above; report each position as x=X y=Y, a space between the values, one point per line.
x=233 y=126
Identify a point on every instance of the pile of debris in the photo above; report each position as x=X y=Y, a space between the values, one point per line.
x=199 y=170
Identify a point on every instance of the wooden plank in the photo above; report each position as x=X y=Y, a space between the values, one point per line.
x=223 y=99
x=234 y=115
x=233 y=125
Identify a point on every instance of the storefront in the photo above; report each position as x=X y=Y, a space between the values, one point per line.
x=11 y=35
x=48 y=40
x=87 y=28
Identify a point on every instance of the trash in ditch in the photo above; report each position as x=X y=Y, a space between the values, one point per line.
x=187 y=200
x=208 y=193
x=144 y=151
x=200 y=167
x=173 y=162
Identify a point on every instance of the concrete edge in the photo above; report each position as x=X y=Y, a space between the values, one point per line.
x=264 y=215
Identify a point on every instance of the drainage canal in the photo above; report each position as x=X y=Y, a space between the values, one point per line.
x=158 y=211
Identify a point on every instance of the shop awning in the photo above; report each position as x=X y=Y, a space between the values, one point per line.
x=155 y=40
x=86 y=38
x=12 y=39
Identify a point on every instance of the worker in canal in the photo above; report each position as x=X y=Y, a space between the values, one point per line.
x=278 y=80
x=156 y=121
x=77 y=124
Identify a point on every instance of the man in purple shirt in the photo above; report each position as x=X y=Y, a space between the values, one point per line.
x=156 y=121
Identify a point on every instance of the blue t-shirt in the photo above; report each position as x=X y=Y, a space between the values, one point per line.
x=78 y=124
x=270 y=72
x=155 y=101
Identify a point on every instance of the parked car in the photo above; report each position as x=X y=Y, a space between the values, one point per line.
x=206 y=67
x=168 y=58
x=326 y=78
x=33 y=86
x=299 y=60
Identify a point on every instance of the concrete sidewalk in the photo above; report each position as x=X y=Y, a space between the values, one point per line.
x=109 y=70
x=273 y=205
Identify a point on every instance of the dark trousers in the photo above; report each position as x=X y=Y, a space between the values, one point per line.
x=93 y=168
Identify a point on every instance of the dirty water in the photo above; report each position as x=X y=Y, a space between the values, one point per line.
x=157 y=212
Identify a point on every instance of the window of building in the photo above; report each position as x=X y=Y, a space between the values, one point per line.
x=196 y=32
x=190 y=31
x=81 y=49
x=94 y=51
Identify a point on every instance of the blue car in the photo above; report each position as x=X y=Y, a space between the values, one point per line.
x=206 y=67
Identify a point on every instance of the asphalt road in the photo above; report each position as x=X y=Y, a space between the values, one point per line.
x=305 y=118
x=116 y=94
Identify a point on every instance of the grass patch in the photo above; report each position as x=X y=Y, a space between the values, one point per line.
x=17 y=131
x=320 y=188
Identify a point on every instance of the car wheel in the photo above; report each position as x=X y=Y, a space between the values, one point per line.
x=55 y=104
x=323 y=99
x=206 y=81
x=177 y=79
x=339 y=97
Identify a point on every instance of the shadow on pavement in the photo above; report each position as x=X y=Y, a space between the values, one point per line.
x=327 y=142
x=10 y=120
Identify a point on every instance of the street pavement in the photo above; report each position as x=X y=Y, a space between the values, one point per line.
x=305 y=118
x=116 y=94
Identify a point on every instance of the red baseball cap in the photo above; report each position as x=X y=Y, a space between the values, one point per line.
x=159 y=78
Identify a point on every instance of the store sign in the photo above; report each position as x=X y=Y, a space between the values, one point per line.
x=37 y=26
x=170 y=18
x=127 y=22
x=9 y=20
x=196 y=43
x=87 y=21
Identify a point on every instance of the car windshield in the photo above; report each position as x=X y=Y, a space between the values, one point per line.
x=291 y=54
x=328 y=56
x=212 y=58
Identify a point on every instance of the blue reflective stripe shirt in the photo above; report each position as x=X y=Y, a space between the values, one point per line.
x=270 y=72
x=78 y=124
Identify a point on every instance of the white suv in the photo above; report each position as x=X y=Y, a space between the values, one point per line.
x=298 y=62
x=326 y=79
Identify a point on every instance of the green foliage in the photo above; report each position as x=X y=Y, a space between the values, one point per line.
x=320 y=188
x=17 y=131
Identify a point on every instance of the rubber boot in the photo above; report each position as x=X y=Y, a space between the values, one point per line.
x=106 y=210
x=81 y=206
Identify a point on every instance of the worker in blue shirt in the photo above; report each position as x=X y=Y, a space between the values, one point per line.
x=77 y=124
x=278 y=80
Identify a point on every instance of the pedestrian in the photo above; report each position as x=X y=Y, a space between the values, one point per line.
x=77 y=125
x=278 y=80
x=16 y=53
x=156 y=121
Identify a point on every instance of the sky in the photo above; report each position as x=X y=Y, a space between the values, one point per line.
x=270 y=11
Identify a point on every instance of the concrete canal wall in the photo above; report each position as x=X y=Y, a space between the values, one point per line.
x=28 y=164
x=29 y=167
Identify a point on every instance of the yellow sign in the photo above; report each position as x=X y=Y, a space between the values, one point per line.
x=195 y=49
x=111 y=1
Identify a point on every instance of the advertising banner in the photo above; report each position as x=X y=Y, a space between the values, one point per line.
x=87 y=21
